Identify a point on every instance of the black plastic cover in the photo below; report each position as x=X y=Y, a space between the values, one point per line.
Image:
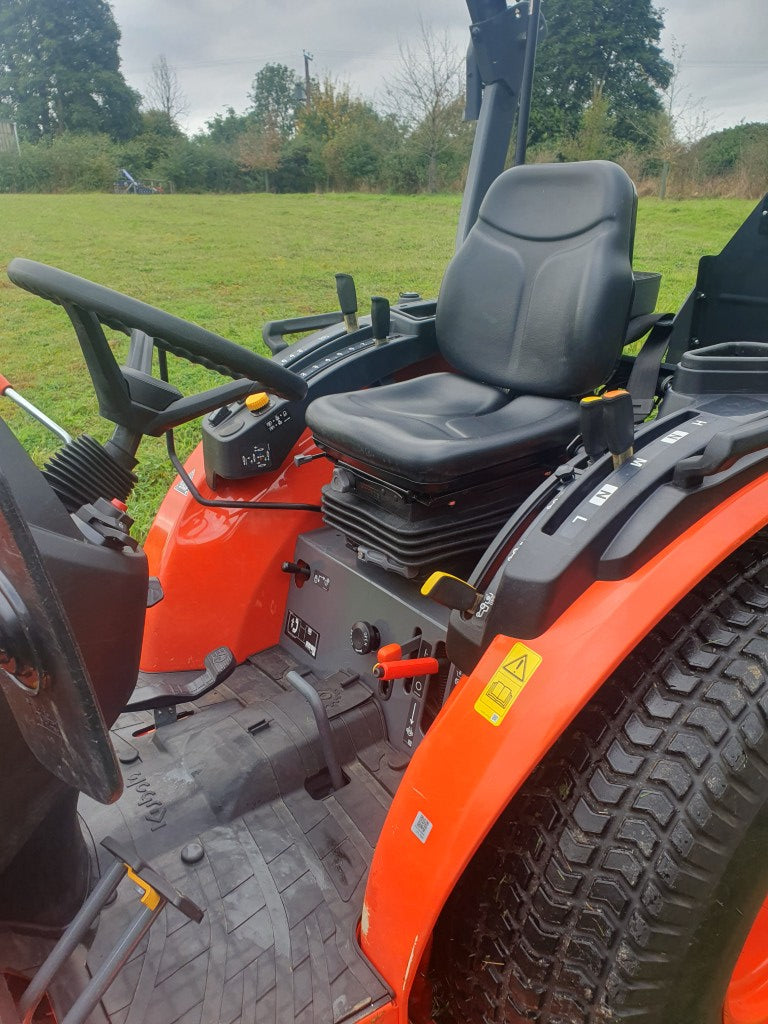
x=44 y=679
x=733 y=367
x=605 y=523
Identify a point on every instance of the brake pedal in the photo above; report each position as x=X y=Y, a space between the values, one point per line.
x=161 y=695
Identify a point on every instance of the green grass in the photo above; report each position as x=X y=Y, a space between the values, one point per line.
x=232 y=262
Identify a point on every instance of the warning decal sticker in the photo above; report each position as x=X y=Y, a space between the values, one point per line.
x=507 y=683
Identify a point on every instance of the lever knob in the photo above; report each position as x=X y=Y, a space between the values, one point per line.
x=381 y=319
x=345 y=289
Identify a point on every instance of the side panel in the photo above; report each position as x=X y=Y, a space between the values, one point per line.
x=467 y=769
x=220 y=568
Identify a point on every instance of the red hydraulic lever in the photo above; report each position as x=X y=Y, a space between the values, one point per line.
x=390 y=652
x=406 y=669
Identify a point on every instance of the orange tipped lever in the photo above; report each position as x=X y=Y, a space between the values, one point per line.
x=390 y=652
x=405 y=669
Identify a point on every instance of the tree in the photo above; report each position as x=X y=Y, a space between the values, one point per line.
x=606 y=45
x=274 y=97
x=424 y=92
x=681 y=123
x=60 y=69
x=227 y=127
x=164 y=92
x=595 y=139
x=259 y=149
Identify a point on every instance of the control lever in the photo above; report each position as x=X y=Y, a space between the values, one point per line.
x=591 y=426
x=154 y=892
x=608 y=422
x=345 y=289
x=23 y=403
x=381 y=320
x=407 y=669
x=453 y=593
x=619 y=422
x=393 y=662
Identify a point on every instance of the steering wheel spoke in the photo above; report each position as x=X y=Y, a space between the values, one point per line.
x=90 y=306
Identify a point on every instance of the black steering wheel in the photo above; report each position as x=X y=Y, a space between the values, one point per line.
x=130 y=396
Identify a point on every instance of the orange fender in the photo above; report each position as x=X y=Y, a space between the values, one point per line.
x=467 y=769
x=220 y=568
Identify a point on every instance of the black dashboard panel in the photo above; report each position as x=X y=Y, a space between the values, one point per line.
x=597 y=522
x=240 y=443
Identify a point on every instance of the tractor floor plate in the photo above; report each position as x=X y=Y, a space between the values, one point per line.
x=219 y=802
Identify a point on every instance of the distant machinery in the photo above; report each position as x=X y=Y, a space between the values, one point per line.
x=9 y=137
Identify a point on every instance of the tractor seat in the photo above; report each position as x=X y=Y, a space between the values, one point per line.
x=425 y=434
x=532 y=313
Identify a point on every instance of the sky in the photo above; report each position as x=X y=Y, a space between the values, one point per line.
x=216 y=48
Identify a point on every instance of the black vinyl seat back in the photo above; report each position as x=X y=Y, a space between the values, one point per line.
x=538 y=297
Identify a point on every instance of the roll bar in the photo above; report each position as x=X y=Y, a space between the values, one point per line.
x=500 y=65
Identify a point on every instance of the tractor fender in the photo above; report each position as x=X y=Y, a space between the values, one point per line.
x=219 y=568
x=467 y=769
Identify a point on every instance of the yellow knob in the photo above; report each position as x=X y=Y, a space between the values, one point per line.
x=258 y=401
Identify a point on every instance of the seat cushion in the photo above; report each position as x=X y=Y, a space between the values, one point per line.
x=440 y=430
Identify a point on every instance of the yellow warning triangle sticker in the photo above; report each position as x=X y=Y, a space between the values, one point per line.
x=518 y=668
x=507 y=683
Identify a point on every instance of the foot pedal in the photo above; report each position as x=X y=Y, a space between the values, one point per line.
x=153 y=696
x=154 y=892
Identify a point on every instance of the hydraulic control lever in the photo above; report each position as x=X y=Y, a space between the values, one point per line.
x=619 y=420
x=607 y=423
x=394 y=663
x=381 y=319
x=345 y=289
x=273 y=332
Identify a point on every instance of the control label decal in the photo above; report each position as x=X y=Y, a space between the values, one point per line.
x=507 y=683
x=302 y=634
x=259 y=457
x=674 y=437
x=410 y=726
x=321 y=580
x=603 y=494
x=181 y=487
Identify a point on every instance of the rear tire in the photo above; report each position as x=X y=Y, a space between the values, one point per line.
x=623 y=879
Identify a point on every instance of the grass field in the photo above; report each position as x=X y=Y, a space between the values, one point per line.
x=232 y=262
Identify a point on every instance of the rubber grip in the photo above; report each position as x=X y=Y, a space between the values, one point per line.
x=406 y=669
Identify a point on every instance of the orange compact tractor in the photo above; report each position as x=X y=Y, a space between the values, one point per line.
x=439 y=690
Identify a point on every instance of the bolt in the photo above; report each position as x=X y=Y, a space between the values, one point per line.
x=192 y=853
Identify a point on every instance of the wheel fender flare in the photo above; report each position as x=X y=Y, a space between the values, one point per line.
x=466 y=770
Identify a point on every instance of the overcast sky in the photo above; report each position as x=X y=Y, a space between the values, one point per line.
x=217 y=47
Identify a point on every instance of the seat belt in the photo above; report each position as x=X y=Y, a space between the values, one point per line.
x=644 y=377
